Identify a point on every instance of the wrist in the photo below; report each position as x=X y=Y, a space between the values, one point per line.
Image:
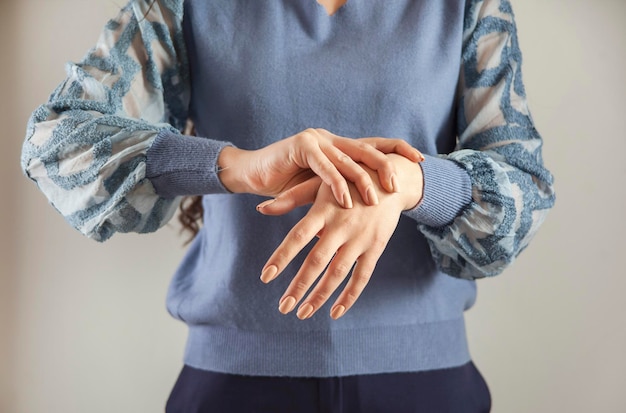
x=410 y=181
x=228 y=170
x=409 y=184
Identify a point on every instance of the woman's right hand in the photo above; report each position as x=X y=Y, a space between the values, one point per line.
x=282 y=165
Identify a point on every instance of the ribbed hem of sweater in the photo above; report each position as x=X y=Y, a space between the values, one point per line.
x=447 y=192
x=180 y=165
x=329 y=353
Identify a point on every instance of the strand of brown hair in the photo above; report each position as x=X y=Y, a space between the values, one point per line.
x=190 y=216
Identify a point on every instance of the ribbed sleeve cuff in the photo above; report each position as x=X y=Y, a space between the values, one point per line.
x=179 y=165
x=447 y=192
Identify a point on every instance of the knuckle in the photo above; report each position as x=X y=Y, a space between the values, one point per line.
x=339 y=271
x=298 y=235
x=351 y=298
x=362 y=146
x=378 y=243
x=300 y=287
x=360 y=143
x=343 y=158
x=281 y=258
x=327 y=167
x=363 y=179
x=320 y=297
x=318 y=259
x=361 y=279
x=367 y=264
x=307 y=136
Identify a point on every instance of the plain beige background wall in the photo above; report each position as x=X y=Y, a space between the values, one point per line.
x=83 y=325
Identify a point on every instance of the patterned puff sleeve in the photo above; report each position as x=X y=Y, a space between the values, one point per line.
x=86 y=148
x=499 y=148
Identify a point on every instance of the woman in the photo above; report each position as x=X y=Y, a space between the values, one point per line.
x=379 y=297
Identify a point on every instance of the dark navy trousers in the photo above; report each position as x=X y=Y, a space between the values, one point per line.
x=455 y=390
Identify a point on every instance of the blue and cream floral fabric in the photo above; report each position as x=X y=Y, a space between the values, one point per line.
x=500 y=149
x=86 y=148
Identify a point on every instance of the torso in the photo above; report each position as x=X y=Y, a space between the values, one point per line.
x=266 y=69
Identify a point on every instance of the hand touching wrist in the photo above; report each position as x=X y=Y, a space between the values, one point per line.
x=283 y=165
x=255 y=172
x=408 y=179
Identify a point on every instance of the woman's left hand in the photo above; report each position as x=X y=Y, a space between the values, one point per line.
x=346 y=237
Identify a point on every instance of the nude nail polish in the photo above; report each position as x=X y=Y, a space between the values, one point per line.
x=305 y=311
x=347 y=201
x=372 y=198
x=286 y=304
x=269 y=274
x=337 y=311
x=394 y=183
x=265 y=203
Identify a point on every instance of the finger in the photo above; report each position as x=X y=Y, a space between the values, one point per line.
x=302 y=194
x=361 y=151
x=398 y=146
x=311 y=156
x=335 y=274
x=354 y=173
x=297 y=238
x=361 y=275
x=315 y=262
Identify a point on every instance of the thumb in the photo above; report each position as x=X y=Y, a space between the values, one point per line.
x=302 y=194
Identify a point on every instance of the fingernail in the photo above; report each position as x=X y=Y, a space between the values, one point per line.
x=337 y=311
x=305 y=311
x=269 y=273
x=347 y=201
x=265 y=203
x=421 y=157
x=394 y=183
x=372 y=198
x=286 y=304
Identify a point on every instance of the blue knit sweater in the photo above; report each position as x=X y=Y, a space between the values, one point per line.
x=108 y=151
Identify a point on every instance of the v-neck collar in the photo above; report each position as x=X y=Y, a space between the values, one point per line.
x=335 y=12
